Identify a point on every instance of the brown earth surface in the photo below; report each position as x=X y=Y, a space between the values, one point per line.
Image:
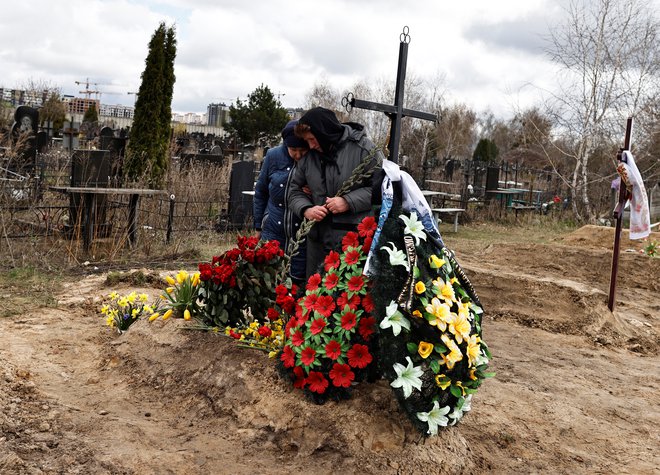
x=577 y=388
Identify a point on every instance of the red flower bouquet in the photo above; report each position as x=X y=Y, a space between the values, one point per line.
x=330 y=337
x=241 y=279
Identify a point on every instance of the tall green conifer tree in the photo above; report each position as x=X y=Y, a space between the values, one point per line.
x=147 y=157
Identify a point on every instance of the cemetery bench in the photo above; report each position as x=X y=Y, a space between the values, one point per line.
x=455 y=211
x=89 y=196
x=518 y=207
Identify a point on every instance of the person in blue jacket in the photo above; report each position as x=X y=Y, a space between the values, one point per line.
x=272 y=217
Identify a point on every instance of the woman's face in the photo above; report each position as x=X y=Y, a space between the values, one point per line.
x=311 y=141
x=296 y=152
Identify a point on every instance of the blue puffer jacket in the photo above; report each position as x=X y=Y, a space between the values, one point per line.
x=271 y=215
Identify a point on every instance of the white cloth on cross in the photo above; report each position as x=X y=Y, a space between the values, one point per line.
x=640 y=217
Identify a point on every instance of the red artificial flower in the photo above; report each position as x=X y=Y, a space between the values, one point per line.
x=281 y=290
x=248 y=255
x=366 y=327
x=297 y=338
x=317 y=382
x=368 y=303
x=349 y=240
x=265 y=331
x=356 y=283
x=367 y=227
x=325 y=305
x=352 y=303
x=299 y=381
x=308 y=356
x=294 y=289
x=313 y=282
x=272 y=314
x=367 y=244
x=310 y=302
x=341 y=375
x=348 y=320
x=359 y=356
x=317 y=326
x=331 y=261
x=293 y=323
x=205 y=272
x=351 y=257
x=333 y=349
x=288 y=304
x=331 y=281
x=233 y=334
x=288 y=357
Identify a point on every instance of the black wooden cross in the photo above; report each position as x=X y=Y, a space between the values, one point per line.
x=395 y=112
x=618 y=215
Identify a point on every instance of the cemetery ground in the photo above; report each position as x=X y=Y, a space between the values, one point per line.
x=577 y=388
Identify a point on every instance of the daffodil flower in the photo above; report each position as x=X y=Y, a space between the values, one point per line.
x=408 y=377
x=413 y=227
x=435 y=418
x=195 y=279
x=394 y=319
x=397 y=256
x=170 y=280
x=181 y=276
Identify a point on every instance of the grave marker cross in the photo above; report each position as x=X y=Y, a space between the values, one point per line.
x=396 y=111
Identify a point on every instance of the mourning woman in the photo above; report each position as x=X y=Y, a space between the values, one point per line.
x=336 y=149
x=272 y=217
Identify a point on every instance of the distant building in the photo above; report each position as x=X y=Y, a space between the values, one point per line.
x=119 y=111
x=217 y=114
x=18 y=97
x=80 y=105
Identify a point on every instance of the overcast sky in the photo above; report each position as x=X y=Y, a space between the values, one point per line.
x=490 y=53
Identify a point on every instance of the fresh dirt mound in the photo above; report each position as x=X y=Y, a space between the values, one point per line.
x=603 y=237
x=572 y=380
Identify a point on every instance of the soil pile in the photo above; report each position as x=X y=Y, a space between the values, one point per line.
x=572 y=393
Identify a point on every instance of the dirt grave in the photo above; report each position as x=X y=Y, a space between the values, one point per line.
x=576 y=390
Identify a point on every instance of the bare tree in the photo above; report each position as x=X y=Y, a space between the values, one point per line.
x=456 y=134
x=609 y=51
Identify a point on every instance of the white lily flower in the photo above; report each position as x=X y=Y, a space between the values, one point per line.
x=435 y=417
x=397 y=256
x=460 y=409
x=394 y=319
x=408 y=377
x=413 y=227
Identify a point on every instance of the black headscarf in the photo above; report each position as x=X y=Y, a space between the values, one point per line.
x=325 y=126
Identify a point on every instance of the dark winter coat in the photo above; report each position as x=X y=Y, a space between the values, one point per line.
x=271 y=214
x=325 y=174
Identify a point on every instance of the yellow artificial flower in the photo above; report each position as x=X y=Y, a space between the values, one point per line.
x=181 y=276
x=447 y=293
x=272 y=354
x=104 y=309
x=169 y=290
x=113 y=295
x=424 y=349
x=453 y=280
x=473 y=349
x=436 y=262
x=170 y=280
x=154 y=316
x=186 y=314
x=417 y=313
x=167 y=314
x=143 y=297
x=131 y=297
x=135 y=312
x=122 y=302
x=459 y=327
x=441 y=312
x=420 y=288
x=454 y=355
x=195 y=279
x=460 y=385
x=442 y=381
x=464 y=310
x=473 y=371
x=110 y=321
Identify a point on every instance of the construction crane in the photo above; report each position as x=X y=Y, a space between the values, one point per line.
x=88 y=92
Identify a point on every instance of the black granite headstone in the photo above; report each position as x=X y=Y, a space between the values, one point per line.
x=240 y=204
